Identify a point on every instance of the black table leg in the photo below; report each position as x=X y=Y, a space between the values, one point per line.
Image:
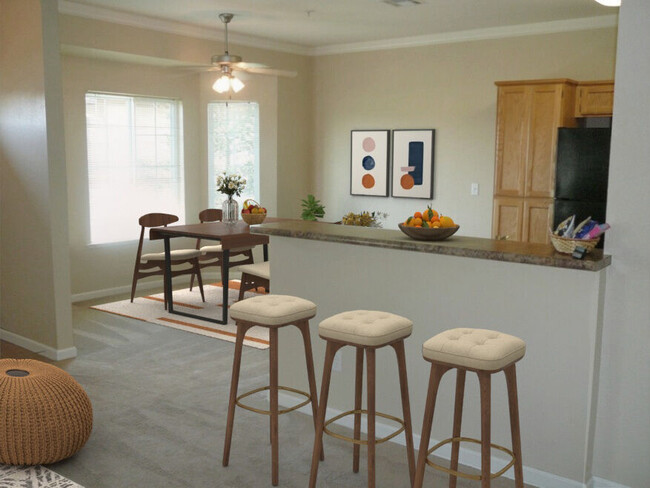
x=266 y=251
x=168 y=277
x=225 y=282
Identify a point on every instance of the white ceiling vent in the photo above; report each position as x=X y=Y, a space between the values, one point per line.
x=403 y=3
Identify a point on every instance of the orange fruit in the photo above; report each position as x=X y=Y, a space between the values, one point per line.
x=417 y=215
x=435 y=225
x=417 y=221
x=435 y=219
x=446 y=222
x=429 y=214
x=408 y=221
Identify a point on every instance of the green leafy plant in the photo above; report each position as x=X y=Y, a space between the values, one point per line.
x=312 y=208
x=364 y=219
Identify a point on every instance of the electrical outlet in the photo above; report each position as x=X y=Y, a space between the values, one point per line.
x=474 y=189
x=337 y=365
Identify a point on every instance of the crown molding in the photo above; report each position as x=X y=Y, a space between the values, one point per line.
x=191 y=30
x=172 y=27
x=588 y=23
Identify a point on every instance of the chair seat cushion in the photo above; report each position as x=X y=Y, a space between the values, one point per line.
x=209 y=249
x=263 y=270
x=273 y=309
x=365 y=327
x=176 y=255
x=481 y=349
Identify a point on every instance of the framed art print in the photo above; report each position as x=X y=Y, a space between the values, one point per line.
x=413 y=163
x=369 y=162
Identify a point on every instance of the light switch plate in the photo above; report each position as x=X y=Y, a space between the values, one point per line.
x=474 y=189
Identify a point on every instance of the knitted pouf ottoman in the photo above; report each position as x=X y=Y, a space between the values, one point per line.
x=45 y=415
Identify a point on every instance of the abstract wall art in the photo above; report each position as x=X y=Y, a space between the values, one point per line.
x=369 y=162
x=413 y=163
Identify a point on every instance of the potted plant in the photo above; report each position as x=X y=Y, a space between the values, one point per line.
x=312 y=208
x=230 y=184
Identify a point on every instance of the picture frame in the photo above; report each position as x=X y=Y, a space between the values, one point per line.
x=369 y=168
x=413 y=163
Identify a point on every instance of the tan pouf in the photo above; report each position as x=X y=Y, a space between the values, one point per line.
x=484 y=352
x=366 y=331
x=45 y=415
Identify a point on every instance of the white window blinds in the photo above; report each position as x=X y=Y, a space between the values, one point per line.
x=233 y=147
x=135 y=163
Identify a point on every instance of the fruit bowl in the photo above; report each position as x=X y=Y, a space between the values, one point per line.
x=252 y=219
x=428 y=234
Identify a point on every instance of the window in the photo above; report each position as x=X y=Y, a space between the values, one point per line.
x=233 y=147
x=135 y=163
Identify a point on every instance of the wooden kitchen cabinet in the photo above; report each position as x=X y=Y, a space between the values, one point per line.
x=537 y=219
x=522 y=219
x=528 y=116
x=594 y=99
x=507 y=218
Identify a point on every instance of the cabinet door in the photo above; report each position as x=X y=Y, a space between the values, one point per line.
x=545 y=117
x=595 y=100
x=538 y=218
x=507 y=218
x=511 y=140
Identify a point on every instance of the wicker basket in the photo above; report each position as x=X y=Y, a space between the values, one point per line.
x=567 y=246
x=252 y=219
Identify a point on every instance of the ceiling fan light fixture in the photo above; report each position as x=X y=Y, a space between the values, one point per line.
x=227 y=82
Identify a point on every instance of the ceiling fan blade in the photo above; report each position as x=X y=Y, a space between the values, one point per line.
x=268 y=71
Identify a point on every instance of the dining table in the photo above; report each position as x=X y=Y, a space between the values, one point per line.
x=230 y=235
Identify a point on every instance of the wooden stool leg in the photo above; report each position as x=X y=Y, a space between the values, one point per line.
x=511 y=381
x=458 y=417
x=239 y=345
x=406 y=406
x=199 y=279
x=309 y=358
x=358 y=392
x=330 y=352
x=434 y=381
x=484 y=379
x=370 y=363
x=273 y=340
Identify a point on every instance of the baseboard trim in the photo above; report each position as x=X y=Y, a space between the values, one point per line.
x=596 y=482
x=143 y=286
x=532 y=476
x=37 y=347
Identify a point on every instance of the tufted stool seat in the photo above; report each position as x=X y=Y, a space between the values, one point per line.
x=366 y=330
x=474 y=348
x=253 y=276
x=272 y=311
x=484 y=352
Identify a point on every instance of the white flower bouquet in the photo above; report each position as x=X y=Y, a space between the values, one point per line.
x=231 y=184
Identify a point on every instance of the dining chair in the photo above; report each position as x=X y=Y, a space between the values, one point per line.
x=213 y=255
x=153 y=264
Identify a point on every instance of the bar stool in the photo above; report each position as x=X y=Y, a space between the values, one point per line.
x=273 y=312
x=367 y=331
x=484 y=352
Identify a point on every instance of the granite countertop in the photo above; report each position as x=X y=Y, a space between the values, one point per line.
x=469 y=247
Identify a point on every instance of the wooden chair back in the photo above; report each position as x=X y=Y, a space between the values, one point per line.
x=157 y=219
x=211 y=215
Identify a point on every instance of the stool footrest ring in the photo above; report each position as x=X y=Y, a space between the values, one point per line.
x=361 y=441
x=268 y=412
x=466 y=475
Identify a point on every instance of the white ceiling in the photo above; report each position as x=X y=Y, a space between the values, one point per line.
x=319 y=24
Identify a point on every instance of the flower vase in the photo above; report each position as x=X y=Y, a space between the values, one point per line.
x=230 y=211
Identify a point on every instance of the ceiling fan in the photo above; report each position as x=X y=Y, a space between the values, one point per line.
x=228 y=63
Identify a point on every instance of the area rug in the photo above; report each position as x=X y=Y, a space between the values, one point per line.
x=32 y=477
x=152 y=309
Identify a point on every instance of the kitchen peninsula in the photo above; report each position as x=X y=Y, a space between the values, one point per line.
x=550 y=300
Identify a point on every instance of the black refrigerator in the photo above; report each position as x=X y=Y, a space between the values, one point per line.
x=582 y=173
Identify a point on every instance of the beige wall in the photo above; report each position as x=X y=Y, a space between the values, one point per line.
x=449 y=88
x=623 y=428
x=285 y=126
x=35 y=284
